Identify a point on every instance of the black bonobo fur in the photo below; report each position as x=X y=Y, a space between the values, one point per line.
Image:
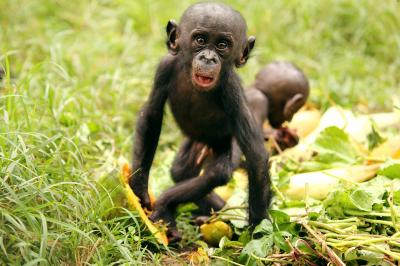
x=206 y=97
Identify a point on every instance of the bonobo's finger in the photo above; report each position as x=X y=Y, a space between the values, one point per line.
x=291 y=136
x=286 y=138
x=155 y=216
x=145 y=201
x=143 y=197
x=141 y=191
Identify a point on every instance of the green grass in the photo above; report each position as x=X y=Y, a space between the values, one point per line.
x=78 y=71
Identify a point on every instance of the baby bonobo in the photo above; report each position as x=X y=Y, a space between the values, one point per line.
x=279 y=91
x=207 y=100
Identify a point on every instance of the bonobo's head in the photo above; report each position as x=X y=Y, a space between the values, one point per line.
x=287 y=90
x=210 y=39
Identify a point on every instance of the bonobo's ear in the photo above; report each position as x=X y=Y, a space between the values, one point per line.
x=172 y=44
x=246 y=51
x=292 y=106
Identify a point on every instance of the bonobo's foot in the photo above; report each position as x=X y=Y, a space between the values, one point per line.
x=199 y=220
x=166 y=216
x=141 y=192
x=174 y=235
x=163 y=214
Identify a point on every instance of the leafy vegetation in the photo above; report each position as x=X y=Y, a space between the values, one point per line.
x=76 y=73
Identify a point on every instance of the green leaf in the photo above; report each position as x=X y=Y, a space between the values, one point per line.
x=279 y=217
x=374 y=138
x=239 y=198
x=245 y=237
x=364 y=199
x=333 y=145
x=279 y=239
x=391 y=171
x=361 y=197
x=265 y=227
x=281 y=222
x=186 y=207
x=360 y=254
x=317 y=165
x=259 y=247
x=396 y=197
x=227 y=243
x=313 y=216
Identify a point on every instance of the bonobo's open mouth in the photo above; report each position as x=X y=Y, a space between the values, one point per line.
x=204 y=82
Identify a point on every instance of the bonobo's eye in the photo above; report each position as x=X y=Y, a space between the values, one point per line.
x=201 y=40
x=222 y=45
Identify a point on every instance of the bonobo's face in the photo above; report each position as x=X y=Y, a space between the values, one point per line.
x=211 y=38
x=209 y=48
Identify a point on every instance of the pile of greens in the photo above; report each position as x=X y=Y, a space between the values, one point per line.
x=356 y=224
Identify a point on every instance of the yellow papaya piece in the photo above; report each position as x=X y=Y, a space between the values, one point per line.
x=214 y=231
x=133 y=201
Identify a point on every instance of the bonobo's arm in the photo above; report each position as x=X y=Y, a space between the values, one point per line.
x=258 y=104
x=148 y=129
x=251 y=142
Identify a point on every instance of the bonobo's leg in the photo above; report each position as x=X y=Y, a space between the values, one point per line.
x=211 y=202
x=217 y=173
x=186 y=165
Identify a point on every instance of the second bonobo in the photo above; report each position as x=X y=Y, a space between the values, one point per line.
x=279 y=91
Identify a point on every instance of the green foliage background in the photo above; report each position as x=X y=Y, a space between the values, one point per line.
x=78 y=71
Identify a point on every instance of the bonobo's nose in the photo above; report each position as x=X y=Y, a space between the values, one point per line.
x=208 y=57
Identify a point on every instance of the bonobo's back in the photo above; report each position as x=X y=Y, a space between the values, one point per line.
x=281 y=77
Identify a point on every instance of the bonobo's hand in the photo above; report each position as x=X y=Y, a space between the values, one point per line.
x=139 y=186
x=284 y=137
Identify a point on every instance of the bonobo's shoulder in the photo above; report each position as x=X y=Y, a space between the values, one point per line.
x=254 y=95
x=165 y=69
x=167 y=62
